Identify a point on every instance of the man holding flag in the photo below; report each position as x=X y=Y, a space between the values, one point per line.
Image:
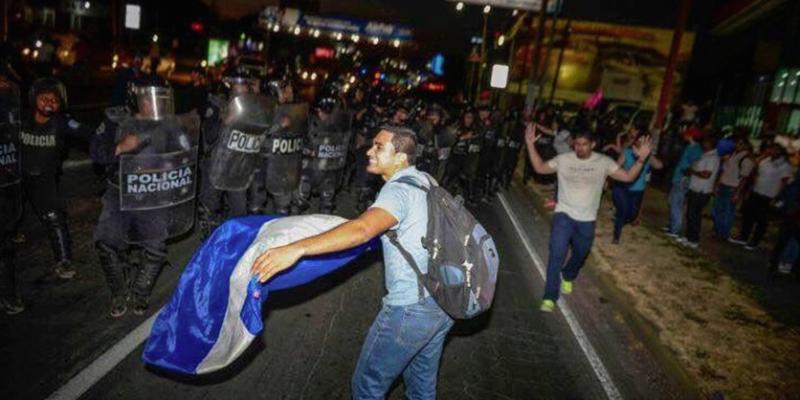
x=407 y=337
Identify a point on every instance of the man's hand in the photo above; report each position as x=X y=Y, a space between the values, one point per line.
x=530 y=134
x=644 y=148
x=275 y=260
x=128 y=144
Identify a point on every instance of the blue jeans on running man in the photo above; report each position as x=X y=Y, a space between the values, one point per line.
x=677 y=195
x=404 y=340
x=566 y=230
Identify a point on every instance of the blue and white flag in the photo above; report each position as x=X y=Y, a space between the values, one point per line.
x=215 y=311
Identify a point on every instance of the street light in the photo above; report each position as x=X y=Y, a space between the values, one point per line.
x=514 y=13
x=501 y=40
x=459 y=6
x=277 y=28
x=86 y=5
x=316 y=33
x=396 y=43
x=355 y=38
x=487 y=9
x=155 y=38
x=297 y=30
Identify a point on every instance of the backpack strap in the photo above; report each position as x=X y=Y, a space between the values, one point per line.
x=392 y=235
x=407 y=180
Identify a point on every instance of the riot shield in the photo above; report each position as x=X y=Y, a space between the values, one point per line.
x=283 y=148
x=328 y=141
x=158 y=180
x=234 y=160
x=9 y=134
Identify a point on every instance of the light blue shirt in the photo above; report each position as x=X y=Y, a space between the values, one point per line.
x=641 y=180
x=690 y=154
x=408 y=205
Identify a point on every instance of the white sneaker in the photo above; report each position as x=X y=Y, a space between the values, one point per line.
x=736 y=241
x=750 y=247
x=692 y=245
x=785 y=268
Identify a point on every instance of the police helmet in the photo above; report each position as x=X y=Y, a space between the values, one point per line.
x=47 y=85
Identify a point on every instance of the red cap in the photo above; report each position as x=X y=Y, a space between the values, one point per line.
x=692 y=132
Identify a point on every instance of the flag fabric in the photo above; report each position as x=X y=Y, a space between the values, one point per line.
x=215 y=311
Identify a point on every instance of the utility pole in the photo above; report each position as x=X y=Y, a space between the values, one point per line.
x=550 y=41
x=482 y=62
x=565 y=38
x=666 y=87
x=530 y=101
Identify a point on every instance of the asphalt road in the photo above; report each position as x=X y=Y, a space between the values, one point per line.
x=313 y=334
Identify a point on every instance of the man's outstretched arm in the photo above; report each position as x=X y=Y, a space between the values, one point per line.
x=352 y=233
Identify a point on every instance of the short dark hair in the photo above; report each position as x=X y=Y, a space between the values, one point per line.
x=404 y=141
x=583 y=134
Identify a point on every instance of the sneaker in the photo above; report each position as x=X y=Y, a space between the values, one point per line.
x=566 y=287
x=13 y=305
x=65 y=270
x=736 y=241
x=785 y=268
x=687 y=243
x=118 y=306
x=140 y=305
x=750 y=247
x=547 y=305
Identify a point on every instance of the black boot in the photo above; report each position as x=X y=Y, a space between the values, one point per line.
x=145 y=279
x=115 y=267
x=56 y=225
x=10 y=299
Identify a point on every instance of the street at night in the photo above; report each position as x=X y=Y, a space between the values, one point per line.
x=481 y=199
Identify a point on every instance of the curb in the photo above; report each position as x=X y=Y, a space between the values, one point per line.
x=642 y=328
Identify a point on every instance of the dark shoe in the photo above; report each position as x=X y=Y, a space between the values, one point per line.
x=13 y=305
x=118 y=306
x=140 y=305
x=65 y=270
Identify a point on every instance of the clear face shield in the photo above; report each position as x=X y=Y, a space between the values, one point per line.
x=241 y=86
x=155 y=103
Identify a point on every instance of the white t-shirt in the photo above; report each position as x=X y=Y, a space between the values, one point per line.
x=708 y=162
x=770 y=174
x=580 y=183
x=732 y=174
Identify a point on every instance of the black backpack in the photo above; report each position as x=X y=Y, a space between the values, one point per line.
x=463 y=259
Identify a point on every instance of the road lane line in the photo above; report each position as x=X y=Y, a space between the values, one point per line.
x=81 y=383
x=588 y=350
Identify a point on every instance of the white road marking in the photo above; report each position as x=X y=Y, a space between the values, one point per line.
x=95 y=371
x=588 y=350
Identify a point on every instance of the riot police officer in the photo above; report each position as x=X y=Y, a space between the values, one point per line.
x=441 y=142
x=10 y=190
x=488 y=156
x=282 y=149
x=149 y=196
x=325 y=153
x=509 y=144
x=232 y=134
x=462 y=167
x=43 y=148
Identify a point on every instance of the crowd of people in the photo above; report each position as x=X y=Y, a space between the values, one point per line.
x=241 y=144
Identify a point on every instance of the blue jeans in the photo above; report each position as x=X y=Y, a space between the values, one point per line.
x=627 y=203
x=724 y=211
x=676 y=196
x=566 y=230
x=404 y=340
